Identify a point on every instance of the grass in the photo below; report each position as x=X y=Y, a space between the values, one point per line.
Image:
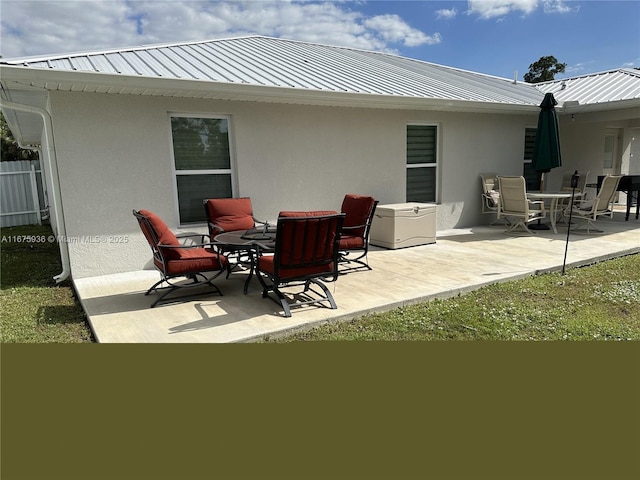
x=33 y=309
x=597 y=302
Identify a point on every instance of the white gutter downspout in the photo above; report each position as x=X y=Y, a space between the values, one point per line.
x=55 y=182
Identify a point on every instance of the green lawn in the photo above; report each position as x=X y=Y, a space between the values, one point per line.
x=597 y=302
x=33 y=309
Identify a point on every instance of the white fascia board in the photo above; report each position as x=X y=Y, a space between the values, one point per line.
x=125 y=84
x=602 y=106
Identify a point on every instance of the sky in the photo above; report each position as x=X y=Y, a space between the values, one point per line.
x=496 y=37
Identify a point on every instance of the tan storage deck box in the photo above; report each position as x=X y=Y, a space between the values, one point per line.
x=402 y=225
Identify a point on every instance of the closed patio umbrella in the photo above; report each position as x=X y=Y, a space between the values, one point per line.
x=546 y=149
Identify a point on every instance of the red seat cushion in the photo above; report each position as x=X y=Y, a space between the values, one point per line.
x=180 y=260
x=349 y=241
x=266 y=264
x=357 y=209
x=190 y=260
x=231 y=214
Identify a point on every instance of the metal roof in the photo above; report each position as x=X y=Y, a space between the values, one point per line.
x=599 y=88
x=260 y=61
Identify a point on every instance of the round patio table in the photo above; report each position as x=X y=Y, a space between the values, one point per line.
x=247 y=241
x=554 y=198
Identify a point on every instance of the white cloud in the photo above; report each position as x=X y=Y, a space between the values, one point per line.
x=558 y=6
x=393 y=29
x=499 y=8
x=446 y=13
x=32 y=27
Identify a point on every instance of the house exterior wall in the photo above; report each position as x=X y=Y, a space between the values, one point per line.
x=582 y=140
x=114 y=155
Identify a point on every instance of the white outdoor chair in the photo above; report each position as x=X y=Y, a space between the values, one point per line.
x=515 y=205
x=582 y=182
x=491 y=196
x=566 y=187
x=588 y=211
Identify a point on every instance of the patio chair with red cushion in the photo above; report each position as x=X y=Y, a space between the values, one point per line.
x=231 y=215
x=354 y=238
x=305 y=253
x=178 y=261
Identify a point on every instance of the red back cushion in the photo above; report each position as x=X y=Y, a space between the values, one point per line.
x=306 y=241
x=231 y=214
x=357 y=209
x=165 y=236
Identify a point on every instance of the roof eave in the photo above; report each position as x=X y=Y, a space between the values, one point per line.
x=96 y=82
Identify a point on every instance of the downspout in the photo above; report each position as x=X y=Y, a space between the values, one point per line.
x=55 y=182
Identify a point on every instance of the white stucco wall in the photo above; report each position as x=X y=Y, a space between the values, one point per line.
x=114 y=156
x=582 y=140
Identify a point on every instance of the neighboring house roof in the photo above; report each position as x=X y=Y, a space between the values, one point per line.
x=257 y=61
x=603 y=89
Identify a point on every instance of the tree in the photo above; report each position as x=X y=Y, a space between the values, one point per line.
x=9 y=148
x=544 y=70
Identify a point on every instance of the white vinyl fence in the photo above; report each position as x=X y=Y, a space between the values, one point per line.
x=22 y=196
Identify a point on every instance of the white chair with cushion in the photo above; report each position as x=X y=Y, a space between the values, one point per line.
x=515 y=205
x=587 y=211
x=566 y=187
x=490 y=195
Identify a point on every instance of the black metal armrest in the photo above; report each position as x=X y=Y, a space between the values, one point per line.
x=354 y=227
x=202 y=236
x=213 y=246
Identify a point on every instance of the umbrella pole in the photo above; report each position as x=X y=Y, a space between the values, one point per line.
x=574 y=184
x=540 y=226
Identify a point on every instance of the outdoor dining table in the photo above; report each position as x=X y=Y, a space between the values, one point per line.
x=554 y=198
x=248 y=241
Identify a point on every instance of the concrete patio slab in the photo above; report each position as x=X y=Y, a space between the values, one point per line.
x=460 y=261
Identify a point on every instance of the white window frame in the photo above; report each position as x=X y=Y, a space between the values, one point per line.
x=435 y=164
x=227 y=171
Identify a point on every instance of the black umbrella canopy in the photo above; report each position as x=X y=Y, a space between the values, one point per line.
x=546 y=149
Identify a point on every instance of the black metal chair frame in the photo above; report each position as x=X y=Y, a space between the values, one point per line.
x=279 y=279
x=197 y=277
x=343 y=255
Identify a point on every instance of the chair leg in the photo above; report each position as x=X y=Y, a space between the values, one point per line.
x=587 y=227
x=173 y=287
x=280 y=298
x=154 y=286
x=500 y=221
x=520 y=223
x=328 y=297
x=343 y=258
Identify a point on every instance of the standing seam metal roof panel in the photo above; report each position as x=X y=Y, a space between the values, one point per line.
x=604 y=87
x=273 y=62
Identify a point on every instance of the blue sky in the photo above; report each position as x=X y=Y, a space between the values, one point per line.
x=497 y=37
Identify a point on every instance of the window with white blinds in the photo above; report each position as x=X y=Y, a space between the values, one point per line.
x=202 y=163
x=422 y=163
